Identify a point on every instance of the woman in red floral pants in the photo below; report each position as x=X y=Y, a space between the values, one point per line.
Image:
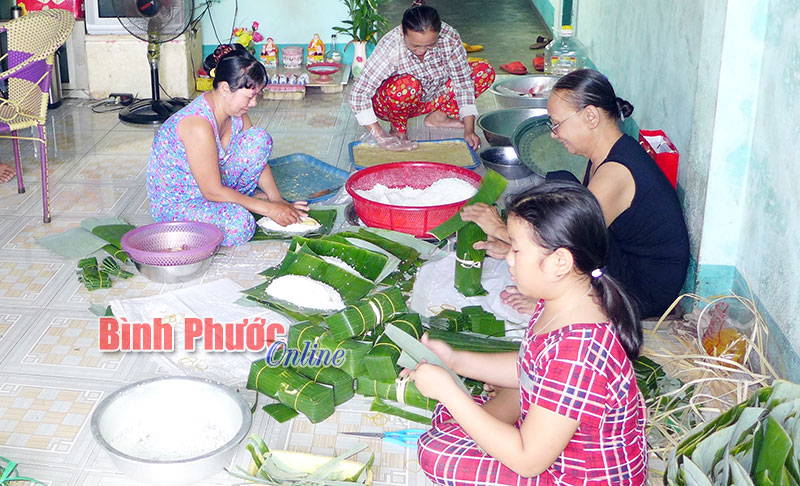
x=400 y=97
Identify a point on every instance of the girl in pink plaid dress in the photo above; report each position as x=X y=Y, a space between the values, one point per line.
x=568 y=410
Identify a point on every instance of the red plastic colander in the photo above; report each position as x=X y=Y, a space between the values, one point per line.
x=416 y=221
x=173 y=243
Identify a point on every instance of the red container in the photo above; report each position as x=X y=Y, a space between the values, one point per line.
x=74 y=6
x=419 y=175
x=663 y=151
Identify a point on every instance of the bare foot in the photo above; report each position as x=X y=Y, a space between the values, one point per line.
x=440 y=119
x=398 y=134
x=6 y=172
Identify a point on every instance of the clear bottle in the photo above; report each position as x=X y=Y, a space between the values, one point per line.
x=564 y=54
x=335 y=55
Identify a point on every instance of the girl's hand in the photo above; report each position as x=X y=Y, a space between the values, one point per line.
x=432 y=381
x=440 y=348
x=521 y=303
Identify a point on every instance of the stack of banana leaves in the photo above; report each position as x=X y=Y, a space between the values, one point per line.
x=471 y=318
x=113 y=233
x=469 y=261
x=757 y=442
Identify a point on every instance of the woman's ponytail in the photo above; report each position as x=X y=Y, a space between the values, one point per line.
x=621 y=311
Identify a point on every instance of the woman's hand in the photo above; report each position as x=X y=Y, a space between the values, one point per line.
x=284 y=213
x=494 y=248
x=523 y=304
x=472 y=139
x=301 y=206
x=487 y=218
x=389 y=142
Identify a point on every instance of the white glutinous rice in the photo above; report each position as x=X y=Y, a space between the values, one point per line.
x=341 y=264
x=306 y=226
x=444 y=191
x=305 y=292
x=169 y=440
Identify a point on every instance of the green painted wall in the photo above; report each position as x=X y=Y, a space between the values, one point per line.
x=769 y=243
x=722 y=78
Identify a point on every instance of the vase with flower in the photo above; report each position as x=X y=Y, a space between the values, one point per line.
x=364 y=26
x=248 y=37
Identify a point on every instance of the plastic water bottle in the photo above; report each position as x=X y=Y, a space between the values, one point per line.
x=564 y=54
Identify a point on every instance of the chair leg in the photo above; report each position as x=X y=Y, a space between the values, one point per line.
x=45 y=181
x=18 y=163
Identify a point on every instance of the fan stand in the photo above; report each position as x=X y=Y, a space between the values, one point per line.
x=151 y=110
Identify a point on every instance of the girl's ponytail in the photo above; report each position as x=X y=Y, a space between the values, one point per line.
x=567 y=215
x=621 y=311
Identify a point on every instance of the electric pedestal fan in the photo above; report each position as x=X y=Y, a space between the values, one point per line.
x=155 y=22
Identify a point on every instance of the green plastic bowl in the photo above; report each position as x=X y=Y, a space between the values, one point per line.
x=543 y=153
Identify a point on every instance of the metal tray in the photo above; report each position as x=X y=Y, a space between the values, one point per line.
x=301 y=177
x=542 y=153
x=475 y=160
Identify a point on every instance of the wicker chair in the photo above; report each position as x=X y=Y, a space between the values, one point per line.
x=32 y=42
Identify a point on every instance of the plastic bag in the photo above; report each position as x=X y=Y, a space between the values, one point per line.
x=722 y=328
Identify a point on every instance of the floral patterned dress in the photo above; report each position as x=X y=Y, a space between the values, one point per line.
x=173 y=190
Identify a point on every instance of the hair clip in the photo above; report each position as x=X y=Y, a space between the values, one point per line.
x=597 y=273
x=212 y=72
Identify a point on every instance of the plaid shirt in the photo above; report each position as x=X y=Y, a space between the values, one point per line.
x=582 y=372
x=447 y=60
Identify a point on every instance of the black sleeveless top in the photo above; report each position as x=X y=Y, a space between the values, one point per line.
x=648 y=242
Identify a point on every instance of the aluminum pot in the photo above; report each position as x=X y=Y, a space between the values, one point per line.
x=499 y=125
x=511 y=92
x=174 y=273
x=157 y=430
x=504 y=161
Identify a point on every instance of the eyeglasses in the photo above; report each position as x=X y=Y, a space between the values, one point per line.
x=554 y=127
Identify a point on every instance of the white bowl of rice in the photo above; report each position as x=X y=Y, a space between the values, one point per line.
x=171 y=430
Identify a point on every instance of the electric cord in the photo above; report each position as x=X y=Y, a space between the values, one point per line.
x=211 y=18
x=110 y=103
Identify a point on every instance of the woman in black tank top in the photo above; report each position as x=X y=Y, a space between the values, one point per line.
x=649 y=243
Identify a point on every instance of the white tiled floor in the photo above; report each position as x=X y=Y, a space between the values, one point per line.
x=51 y=373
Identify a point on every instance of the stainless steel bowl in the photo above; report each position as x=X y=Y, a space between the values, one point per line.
x=174 y=273
x=499 y=125
x=504 y=161
x=171 y=430
x=505 y=91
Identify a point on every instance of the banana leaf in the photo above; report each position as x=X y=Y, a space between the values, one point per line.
x=325 y=217
x=449 y=320
x=378 y=405
x=111 y=266
x=772 y=448
x=405 y=253
x=367 y=263
x=487 y=325
x=91 y=276
x=469 y=261
x=419 y=351
x=363 y=316
x=471 y=342
x=280 y=412
x=492 y=186
x=294 y=390
x=113 y=233
x=352 y=350
x=342 y=383
x=387 y=390
x=381 y=360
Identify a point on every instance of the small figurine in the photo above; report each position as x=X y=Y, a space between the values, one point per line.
x=269 y=53
x=316 y=50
